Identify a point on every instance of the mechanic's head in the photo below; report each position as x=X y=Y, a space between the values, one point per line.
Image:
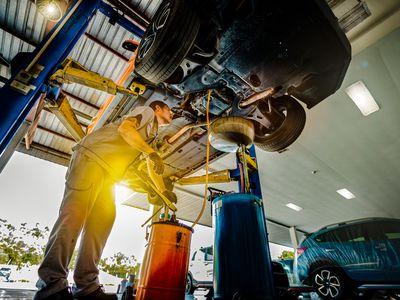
x=162 y=112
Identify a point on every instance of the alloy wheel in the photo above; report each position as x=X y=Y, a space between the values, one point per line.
x=328 y=284
x=157 y=25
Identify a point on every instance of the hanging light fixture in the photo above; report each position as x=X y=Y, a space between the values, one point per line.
x=50 y=9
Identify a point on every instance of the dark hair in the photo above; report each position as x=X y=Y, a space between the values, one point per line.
x=159 y=103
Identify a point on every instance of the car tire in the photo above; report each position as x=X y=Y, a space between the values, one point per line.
x=167 y=40
x=189 y=289
x=329 y=283
x=288 y=131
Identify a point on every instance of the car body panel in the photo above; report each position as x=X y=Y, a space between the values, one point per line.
x=367 y=251
x=201 y=267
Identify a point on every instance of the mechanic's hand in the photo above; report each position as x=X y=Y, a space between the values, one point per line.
x=170 y=195
x=157 y=162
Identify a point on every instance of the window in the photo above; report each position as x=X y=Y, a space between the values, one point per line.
x=208 y=253
x=393 y=235
x=348 y=234
x=383 y=230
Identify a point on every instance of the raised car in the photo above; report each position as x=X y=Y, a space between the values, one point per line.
x=258 y=58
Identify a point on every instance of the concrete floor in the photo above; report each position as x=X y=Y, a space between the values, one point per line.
x=28 y=295
x=198 y=295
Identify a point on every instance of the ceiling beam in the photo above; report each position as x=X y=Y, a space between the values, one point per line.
x=108 y=48
x=79 y=99
x=45 y=149
x=56 y=133
x=18 y=35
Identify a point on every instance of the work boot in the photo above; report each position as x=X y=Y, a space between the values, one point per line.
x=98 y=295
x=64 y=294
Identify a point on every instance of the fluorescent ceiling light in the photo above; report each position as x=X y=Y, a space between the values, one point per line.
x=362 y=97
x=294 y=207
x=346 y=193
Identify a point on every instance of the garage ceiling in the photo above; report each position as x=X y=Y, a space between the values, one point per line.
x=346 y=149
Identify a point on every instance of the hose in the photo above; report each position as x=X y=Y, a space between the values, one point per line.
x=207 y=160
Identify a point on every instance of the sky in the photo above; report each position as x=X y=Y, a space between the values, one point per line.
x=31 y=191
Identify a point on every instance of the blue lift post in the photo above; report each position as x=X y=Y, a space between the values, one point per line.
x=40 y=64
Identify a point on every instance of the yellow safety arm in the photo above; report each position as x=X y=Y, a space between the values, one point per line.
x=73 y=72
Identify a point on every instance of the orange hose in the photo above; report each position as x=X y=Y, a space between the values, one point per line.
x=127 y=72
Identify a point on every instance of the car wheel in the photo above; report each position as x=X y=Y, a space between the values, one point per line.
x=289 y=120
x=167 y=40
x=329 y=284
x=189 y=289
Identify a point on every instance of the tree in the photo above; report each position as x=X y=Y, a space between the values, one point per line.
x=286 y=255
x=120 y=265
x=24 y=246
x=21 y=246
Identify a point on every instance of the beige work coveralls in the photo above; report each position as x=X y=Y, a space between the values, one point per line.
x=88 y=207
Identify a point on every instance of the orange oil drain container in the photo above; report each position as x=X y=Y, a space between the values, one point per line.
x=165 y=264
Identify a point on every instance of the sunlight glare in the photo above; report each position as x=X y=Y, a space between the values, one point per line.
x=122 y=193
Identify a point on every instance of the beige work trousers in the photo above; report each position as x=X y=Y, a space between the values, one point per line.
x=87 y=208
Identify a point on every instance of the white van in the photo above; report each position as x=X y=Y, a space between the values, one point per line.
x=200 y=273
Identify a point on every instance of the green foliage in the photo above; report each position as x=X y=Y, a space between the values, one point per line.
x=24 y=246
x=286 y=254
x=21 y=246
x=120 y=265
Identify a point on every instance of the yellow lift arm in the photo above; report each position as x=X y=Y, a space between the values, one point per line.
x=62 y=109
x=73 y=72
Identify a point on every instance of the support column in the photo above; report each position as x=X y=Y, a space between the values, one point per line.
x=293 y=237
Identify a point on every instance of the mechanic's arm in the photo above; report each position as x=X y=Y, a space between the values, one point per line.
x=128 y=131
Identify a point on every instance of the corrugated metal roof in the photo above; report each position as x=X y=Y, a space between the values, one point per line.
x=21 y=16
x=146 y=7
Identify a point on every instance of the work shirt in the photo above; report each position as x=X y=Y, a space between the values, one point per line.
x=109 y=149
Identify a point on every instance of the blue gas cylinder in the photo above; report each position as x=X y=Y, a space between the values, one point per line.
x=242 y=262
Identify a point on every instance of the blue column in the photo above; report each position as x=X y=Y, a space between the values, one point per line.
x=15 y=105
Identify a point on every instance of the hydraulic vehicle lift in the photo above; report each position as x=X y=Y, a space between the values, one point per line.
x=31 y=78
